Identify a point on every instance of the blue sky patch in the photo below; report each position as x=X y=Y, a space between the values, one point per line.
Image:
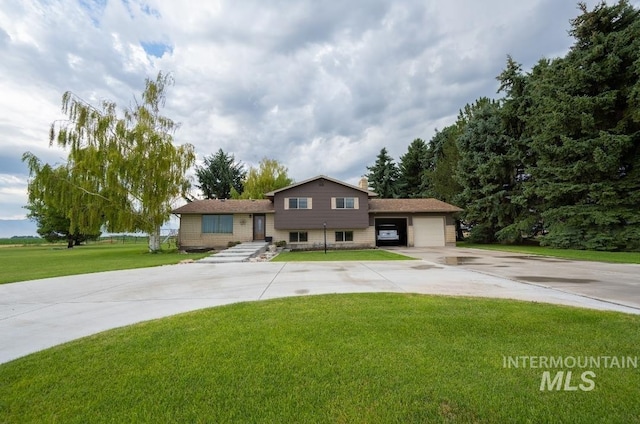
x=156 y=49
x=95 y=9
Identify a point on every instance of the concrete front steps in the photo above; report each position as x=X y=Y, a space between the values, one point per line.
x=239 y=253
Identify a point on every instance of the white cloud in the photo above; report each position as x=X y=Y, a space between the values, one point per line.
x=13 y=195
x=320 y=86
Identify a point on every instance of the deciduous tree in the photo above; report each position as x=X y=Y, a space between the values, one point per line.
x=122 y=170
x=53 y=225
x=268 y=176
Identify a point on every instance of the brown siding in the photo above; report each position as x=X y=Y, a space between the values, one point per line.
x=321 y=191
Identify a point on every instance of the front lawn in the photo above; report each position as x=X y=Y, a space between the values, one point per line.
x=340 y=255
x=21 y=263
x=374 y=358
x=580 y=255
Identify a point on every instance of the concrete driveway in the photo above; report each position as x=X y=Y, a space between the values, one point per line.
x=616 y=283
x=38 y=314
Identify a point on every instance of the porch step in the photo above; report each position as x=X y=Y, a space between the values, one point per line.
x=239 y=253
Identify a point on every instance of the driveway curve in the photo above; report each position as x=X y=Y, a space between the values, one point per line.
x=38 y=314
x=615 y=283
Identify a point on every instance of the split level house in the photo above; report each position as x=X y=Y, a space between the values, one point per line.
x=307 y=213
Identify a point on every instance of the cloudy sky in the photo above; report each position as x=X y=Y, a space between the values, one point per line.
x=320 y=86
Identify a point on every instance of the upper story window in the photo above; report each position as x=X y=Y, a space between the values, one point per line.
x=297 y=203
x=344 y=203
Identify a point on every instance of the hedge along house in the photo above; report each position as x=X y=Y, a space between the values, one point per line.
x=303 y=214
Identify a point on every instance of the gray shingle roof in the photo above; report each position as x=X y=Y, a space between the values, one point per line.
x=226 y=206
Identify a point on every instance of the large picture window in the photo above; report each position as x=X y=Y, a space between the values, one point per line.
x=298 y=236
x=298 y=203
x=217 y=224
x=344 y=235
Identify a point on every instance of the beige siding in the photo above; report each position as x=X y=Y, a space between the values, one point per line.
x=450 y=235
x=191 y=235
x=410 y=241
x=361 y=238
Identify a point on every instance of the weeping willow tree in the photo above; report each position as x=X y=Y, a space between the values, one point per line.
x=123 y=170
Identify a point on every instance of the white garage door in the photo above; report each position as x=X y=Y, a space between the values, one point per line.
x=428 y=231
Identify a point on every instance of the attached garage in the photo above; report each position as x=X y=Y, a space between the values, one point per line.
x=429 y=222
x=428 y=231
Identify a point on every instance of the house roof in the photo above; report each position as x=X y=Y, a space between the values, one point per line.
x=411 y=205
x=273 y=193
x=226 y=206
x=213 y=206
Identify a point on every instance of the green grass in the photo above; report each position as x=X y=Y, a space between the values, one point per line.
x=580 y=255
x=33 y=262
x=374 y=358
x=340 y=255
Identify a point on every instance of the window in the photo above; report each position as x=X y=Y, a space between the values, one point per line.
x=298 y=236
x=344 y=235
x=299 y=203
x=219 y=224
x=346 y=203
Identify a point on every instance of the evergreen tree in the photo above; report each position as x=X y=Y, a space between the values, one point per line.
x=411 y=169
x=485 y=172
x=585 y=133
x=219 y=175
x=514 y=107
x=383 y=176
x=442 y=162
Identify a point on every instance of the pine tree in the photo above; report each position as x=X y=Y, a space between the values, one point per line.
x=585 y=124
x=485 y=172
x=383 y=176
x=219 y=175
x=411 y=169
x=514 y=107
x=442 y=161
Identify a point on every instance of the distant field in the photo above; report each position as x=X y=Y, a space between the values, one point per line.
x=46 y=260
x=20 y=241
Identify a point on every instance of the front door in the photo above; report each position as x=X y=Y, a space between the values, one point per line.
x=258 y=227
